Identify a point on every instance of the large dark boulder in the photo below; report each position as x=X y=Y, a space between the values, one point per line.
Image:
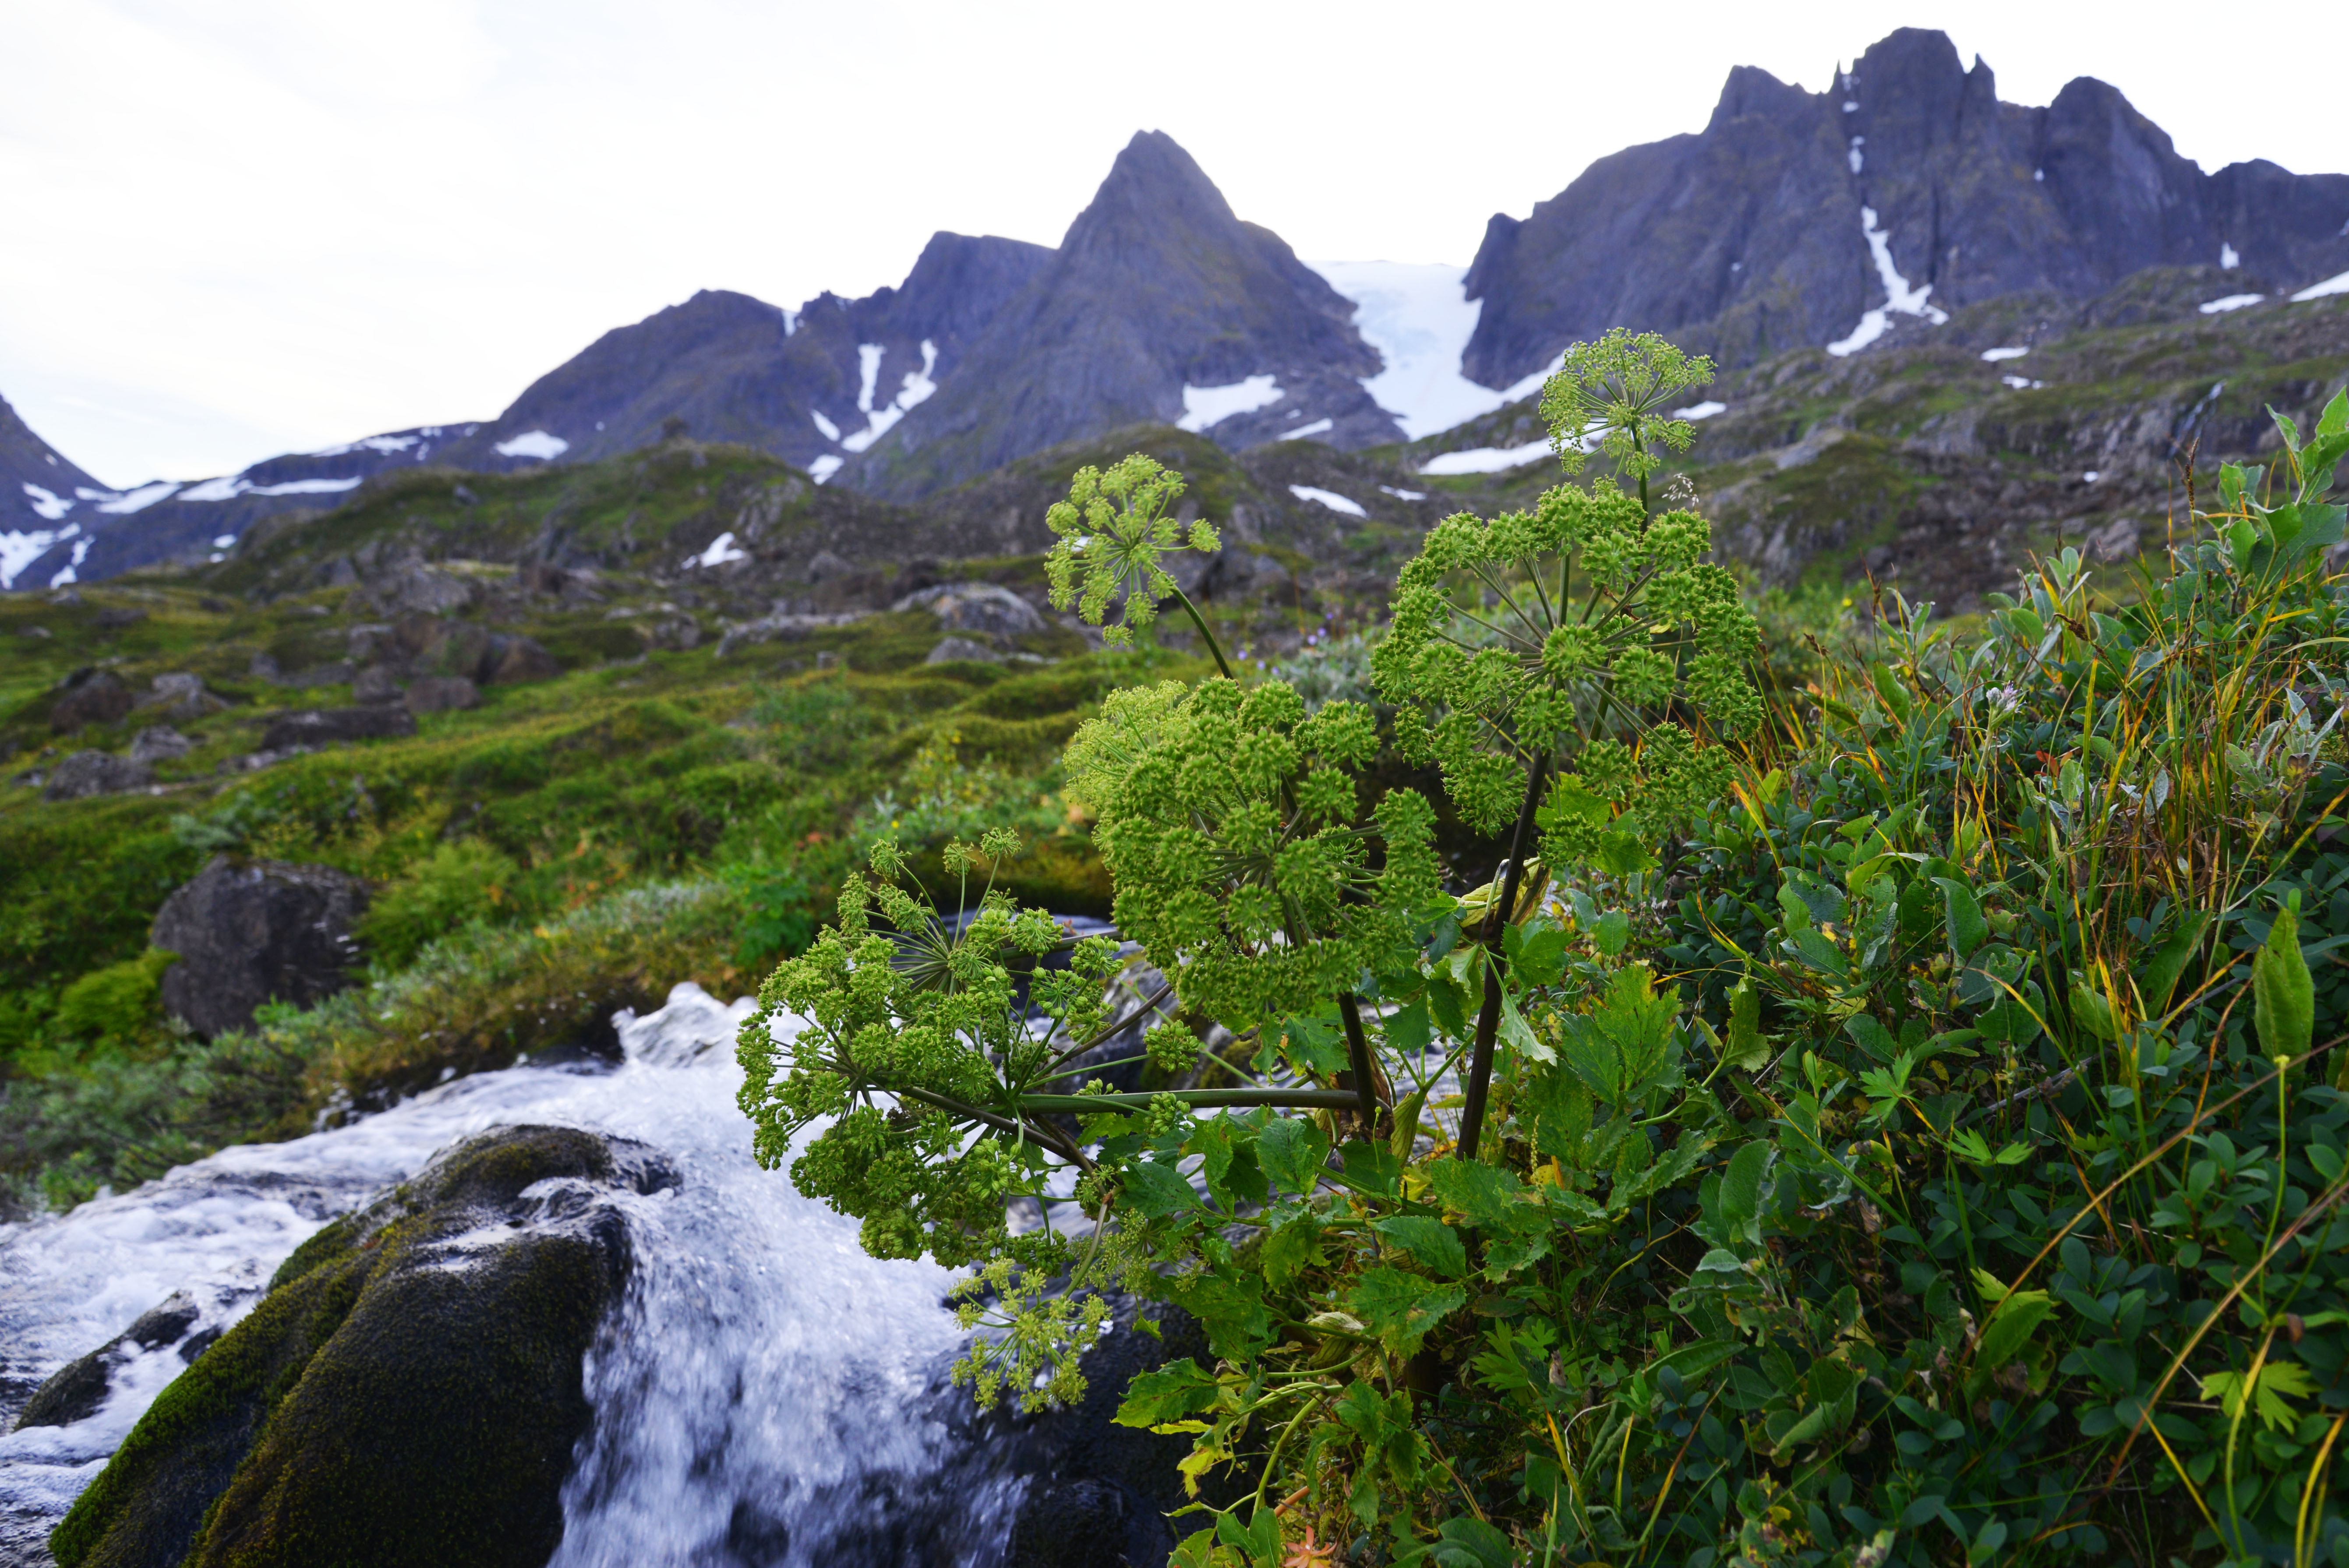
x=322 y=725
x=409 y=1391
x=249 y=932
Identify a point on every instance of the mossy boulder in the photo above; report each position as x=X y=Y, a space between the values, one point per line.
x=409 y=1391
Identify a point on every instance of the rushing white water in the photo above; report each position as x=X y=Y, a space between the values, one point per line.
x=766 y=1394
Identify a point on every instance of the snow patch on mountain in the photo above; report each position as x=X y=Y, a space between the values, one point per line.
x=2231 y=302
x=918 y=386
x=536 y=444
x=1206 y=407
x=19 y=548
x=1898 y=295
x=235 y=485
x=123 y=504
x=1415 y=314
x=47 y=505
x=1330 y=498
x=1485 y=459
x=2332 y=285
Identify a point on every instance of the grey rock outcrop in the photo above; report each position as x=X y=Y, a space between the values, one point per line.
x=951 y=650
x=984 y=607
x=89 y=773
x=410 y=1390
x=178 y=695
x=315 y=726
x=253 y=932
x=159 y=743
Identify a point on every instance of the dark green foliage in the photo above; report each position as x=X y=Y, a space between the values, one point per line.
x=461 y=882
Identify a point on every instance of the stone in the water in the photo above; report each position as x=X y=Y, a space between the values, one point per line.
x=253 y=932
x=75 y=1390
x=411 y=1390
x=88 y=773
x=317 y=726
x=1099 y=1493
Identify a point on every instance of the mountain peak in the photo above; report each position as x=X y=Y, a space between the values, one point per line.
x=1799 y=220
x=1158 y=291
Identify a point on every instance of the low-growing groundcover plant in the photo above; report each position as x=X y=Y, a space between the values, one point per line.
x=1900 y=1125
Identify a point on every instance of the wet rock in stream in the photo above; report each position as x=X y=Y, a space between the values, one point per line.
x=409 y=1391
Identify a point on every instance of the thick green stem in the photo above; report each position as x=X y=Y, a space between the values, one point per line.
x=1201 y=622
x=1358 y=1051
x=1037 y=1135
x=1488 y=1016
x=1293 y=1099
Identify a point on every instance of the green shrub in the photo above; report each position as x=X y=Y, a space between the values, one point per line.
x=1909 y=1127
x=462 y=884
x=117 y=1002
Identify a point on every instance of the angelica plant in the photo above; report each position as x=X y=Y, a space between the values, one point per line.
x=1587 y=635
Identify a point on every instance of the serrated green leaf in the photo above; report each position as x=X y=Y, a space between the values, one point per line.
x=1520 y=1034
x=1158 y=1190
x=1177 y=1389
x=1291 y=1249
x=1487 y=1196
x=1292 y=1152
x=1400 y=1308
x=1429 y=1240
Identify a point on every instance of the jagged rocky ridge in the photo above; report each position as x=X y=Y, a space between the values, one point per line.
x=1794 y=221
x=1799 y=220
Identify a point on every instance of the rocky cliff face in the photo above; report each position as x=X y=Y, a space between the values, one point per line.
x=1799 y=220
x=815 y=385
x=39 y=490
x=1161 y=304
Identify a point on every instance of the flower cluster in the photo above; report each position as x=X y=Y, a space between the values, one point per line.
x=910 y=1033
x=1582 y=631
x=1243 y=858
x=1113 y=531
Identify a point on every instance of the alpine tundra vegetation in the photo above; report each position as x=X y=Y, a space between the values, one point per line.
x=1887 y=1119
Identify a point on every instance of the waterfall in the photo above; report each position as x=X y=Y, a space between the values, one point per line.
x=766 y=1394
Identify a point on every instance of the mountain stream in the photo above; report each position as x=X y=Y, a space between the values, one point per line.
x=765 y=1395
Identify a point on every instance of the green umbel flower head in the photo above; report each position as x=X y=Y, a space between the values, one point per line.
x=1233 y=828
x=1609 y=396
x=1585 y=632
x=1114 y=531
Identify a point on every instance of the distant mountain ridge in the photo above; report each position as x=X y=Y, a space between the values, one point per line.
x=1798 y=218
x=1793 y=220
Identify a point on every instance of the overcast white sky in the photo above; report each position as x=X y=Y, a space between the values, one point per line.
x=240 y=227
